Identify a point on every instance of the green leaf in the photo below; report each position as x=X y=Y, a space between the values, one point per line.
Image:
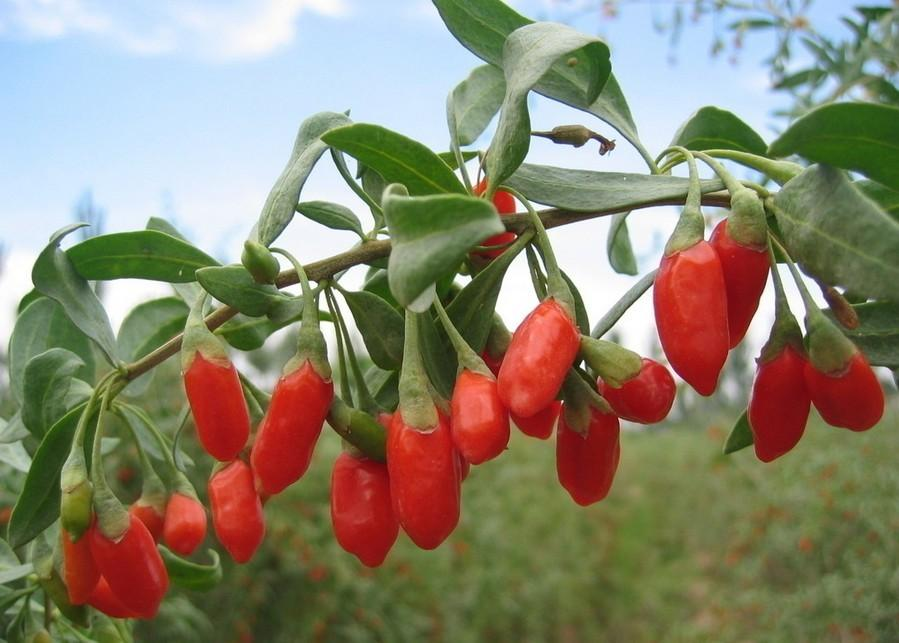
x=863 y=137
x=618 y=246
x=580 y=310
x=431 y=236
x=838 y=235
x=142 y=254
x=15 y=455
x=188 y=291
x=147 y=327
x=878 y=332
x=15 y=573
x=30 y=296
x=474 y=102
x=41 y=326
x=450 y=159
x=143 y=428
x=376 y=283
x=54 y=275
x=331 y=215
x=437 y=354
x=189 y=575
x=740 y=436
x=234 y=286
x=282 y=200
x=380 y=325
x=13 y=430
x=384 y=386
x=471 y=311
x=588 y=191
x=38 y=505
x=482 y=26
x=48 y=377
x=248 y=333
x=887 y=199
x=714 y=128
x=528 y=54
x=397 y=158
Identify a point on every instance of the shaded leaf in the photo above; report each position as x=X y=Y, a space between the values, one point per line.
x=380 y=325
x=384 y=386
x=147 y=327
x=48 y=377
x=740 y=436
x=618 y=246
x=878 y=332
x=714 y=128
x=437 y=354
x=187 y=291
x=15 y=455
x=474 y=102
x=331 y=215
x=887 y=199
x=235 y=286
x=189 y=575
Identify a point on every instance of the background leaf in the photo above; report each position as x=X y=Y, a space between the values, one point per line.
x=854 y=136
x=282 y=200
x=380 y=325
x=618 y=246
x=147 y=327
x=588 y=191
x=887 y=199
x=190 y=575
x=838 y=235
x=142 y=254
x=41 y=326
x=474 y=102
x=878 y=332
x=740 y=436
x=187 y=291
x=15 y=455
x=397 y=158
x=431 y=236
x=234 y=286
x=47 y=380
x=54 y=275
x=715 y=128
x=331 y=215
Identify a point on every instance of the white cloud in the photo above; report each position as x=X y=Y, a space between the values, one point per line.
x=217 y=31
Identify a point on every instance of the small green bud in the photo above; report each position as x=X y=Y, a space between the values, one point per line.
x=260 y=262
x=76 y=508
x=613 y=363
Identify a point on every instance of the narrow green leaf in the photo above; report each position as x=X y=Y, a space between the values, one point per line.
x=437 y=354
x=147 y=327
x=248 y=333
x=397 y=158
x=48 y=377
x=54 y=275
x=143 y=428
x=878 y=332
x=15 y=573
x=282 y=200
x=740 y=436
x=431 y=236
x=588 y=191
x=863 y=137
x=38 y=505
x=528 y=54
x=380 y=325
x=839 y=235
x=580 y=310
x=189 y=575
x=618 y=246
x=234 y=286
x=384 y=386
x=187 y=291
x=887 y=199
x=714 y=128
x=15 y=455
x=331 y=215
x=41 y=326
x=450 y=159
x=142 y=254
x=474 y=102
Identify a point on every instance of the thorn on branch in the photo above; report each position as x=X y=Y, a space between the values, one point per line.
x=577 y=136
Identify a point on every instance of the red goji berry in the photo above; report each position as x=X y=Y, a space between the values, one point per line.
x=361 y=508
x=218 y=406
x=851 y=398
x=80 y=572
x=106 y=601
x=424 y=480
x=132 y=566
x=479 y=421
x=541 y=352
x=504 y=204
x=586 y=464
x=236 y=510
x=645 y=398
x=541 y=424
x=690 y=301
x=745 y=271
x=185 y=524
x=779 y=404
x=290 y=429
x=153 y=520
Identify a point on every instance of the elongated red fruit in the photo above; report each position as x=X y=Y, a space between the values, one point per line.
x=236 y=511
x=424 y=480
x=153 y=520
x=541 y=352
x=106 y=601
x=480 y=422
x=645 y=398
x=218 y=406
x=132 y=566
x=690 y=302
x=290 y=429
x=185 y=524
x=80 y=572
x=779 y=404
x=541 y=424
x=745 y=275
x=504 y=203
x=851 y=398
x=361 y=508
x=586 y=464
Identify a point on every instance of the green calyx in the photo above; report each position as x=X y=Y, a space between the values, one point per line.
x=778 y=171
x=199 y=339
x=690 y=228
x=416 y=403
x=580 y=398
x=260 y=262
x=358 y=428
x=76 y=507
x=747 y=223
x=829 y=349
x=112 y=518
x=613 y=363
x=467 y=358
x=785 y=331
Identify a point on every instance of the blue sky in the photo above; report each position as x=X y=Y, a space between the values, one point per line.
x=189 y=109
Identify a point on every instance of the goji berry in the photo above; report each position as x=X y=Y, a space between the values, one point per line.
x=850 y=398
x=218 y=406
x=586 y=464
x=236 y=510
x=479 y=421
x=541 y=424
x=504 y=204
x=779 y=404
x=80 y=572
x=185 y=524
x=152 y=518
x=645 y=398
